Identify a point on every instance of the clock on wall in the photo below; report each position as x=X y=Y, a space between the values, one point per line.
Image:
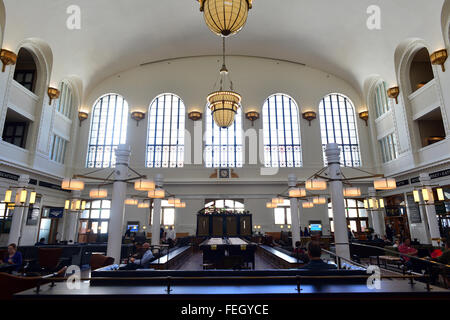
x=224 y=173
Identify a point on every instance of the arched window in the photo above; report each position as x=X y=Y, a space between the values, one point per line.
x=421 y=71
x=165 y=140
x=223 y=147
x=282 y=144
x=25 y=71
x=108 y=130
x=64 y=104
x=381 y=101
x=338 y=125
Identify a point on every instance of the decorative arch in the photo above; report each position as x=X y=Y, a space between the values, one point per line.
x=281 y=131
x=165 y=136
x=108 y=130
x=338 y=125
x=43 y=57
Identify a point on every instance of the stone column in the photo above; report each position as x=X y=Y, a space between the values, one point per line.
x=15 y=232
x=292 y=182
x=156 y=226
x=118 y=203
x=430 y=210
x=375 y=214
x=337 y=201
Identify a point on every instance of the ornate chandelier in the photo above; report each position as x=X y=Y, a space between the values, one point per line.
x=225 y=17
x=224 y=104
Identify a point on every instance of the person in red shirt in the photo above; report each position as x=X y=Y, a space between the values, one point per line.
x=406 y=248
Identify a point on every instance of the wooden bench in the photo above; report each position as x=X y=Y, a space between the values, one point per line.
x=173 y=259
x=387 y=260
x=278 y=258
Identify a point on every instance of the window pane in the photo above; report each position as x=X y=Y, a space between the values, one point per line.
x=279 y=216
x=337 y=122
x=281 y=130
x=169 y=216
x=165 y=138
x=108 y=130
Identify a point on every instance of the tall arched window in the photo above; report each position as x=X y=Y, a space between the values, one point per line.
x=65 y=101
x=108 y=130
x=165 y=140
x=338 y=125
x=282 y=143
x=223 y=147
x=25 y=71
x=381 y=101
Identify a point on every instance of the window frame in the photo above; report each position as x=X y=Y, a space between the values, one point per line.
x=97 y=149
x=167 y=150
x=272 y=147
x=335 y=128
x=235 y=150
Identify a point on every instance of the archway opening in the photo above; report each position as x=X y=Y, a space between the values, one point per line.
x=26 y=70
x=421 y=71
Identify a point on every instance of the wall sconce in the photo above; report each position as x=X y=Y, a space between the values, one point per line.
x=439 y=57
x=195 y=115
x=309 y=116
x=8 y=58
x=53 y=93
x=393 y=93
x=137 y=116
x=252 y=116
x=364 y=115
x=82 y=116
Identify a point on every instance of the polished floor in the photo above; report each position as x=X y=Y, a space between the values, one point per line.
x=195 y=262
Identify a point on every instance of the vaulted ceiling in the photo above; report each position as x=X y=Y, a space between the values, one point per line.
x=117 y=35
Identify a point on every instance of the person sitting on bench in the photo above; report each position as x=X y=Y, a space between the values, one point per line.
x=315 y=261
x=147 y=256
x=171 y=237
x=13 y=257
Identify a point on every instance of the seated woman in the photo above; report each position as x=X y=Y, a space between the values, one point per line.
x=13 y=257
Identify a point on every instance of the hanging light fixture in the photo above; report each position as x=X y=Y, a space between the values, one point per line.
x=308 y=205
x=319 y=200
x=440 y=194
x=381 y=202
x=8 y=196
x=277 y=201
x=224 y=104
x=98 y=193
x=316 y=185
x=144 y=185
x=143 y=205
x=385 y=184
x=352 y=192
x=72 y=185
x=270 y=205
x=32 y=197
x=180 y=205
x=366 y=204
x=225 y=17
x=131 y=202
x=297 y=193
x=416 y=196
x=174 y=201
x=157 y=194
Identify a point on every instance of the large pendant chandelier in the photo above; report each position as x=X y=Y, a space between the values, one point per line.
x=225 y=17
x=224 y=104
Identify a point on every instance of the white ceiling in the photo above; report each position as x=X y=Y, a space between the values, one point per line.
x=330 y=35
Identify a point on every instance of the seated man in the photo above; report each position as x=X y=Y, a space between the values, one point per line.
x=299 y=253
x=406 y=248
x=41 y=242
x=315 y=262
x=445 y=257
x=13 y=257
x=171 y=237
x=147 y=256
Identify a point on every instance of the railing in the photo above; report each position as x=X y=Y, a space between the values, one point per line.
x=169 y=280
x=428 y=263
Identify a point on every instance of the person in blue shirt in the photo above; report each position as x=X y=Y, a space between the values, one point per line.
x=147 y=256
x=13 y=257
x=315 y=261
